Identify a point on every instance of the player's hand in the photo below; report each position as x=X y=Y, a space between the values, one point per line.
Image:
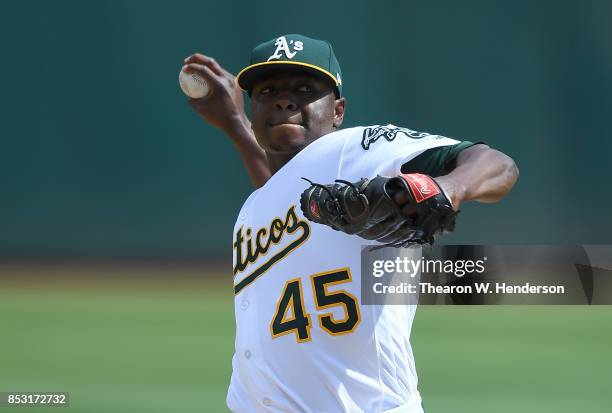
x=224 y=107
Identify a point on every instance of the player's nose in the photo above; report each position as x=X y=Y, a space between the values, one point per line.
x=284 y=101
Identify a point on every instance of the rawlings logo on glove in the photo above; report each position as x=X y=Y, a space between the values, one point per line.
x=404 y=210
x=422 y=186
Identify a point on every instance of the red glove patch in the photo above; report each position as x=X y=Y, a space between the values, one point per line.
x=314 y=209
x=422 y=186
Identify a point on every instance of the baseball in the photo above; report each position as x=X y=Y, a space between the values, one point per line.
x=193 y=85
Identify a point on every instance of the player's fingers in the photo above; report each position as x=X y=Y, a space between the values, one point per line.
x=205 y=72
x=202 y=59
x=403 y=200
x=199 y=58
x=200 y=105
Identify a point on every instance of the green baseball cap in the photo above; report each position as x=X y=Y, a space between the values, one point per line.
x=293 y=52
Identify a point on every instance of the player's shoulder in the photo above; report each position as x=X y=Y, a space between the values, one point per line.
x=383 y=139
x=382 y=149
x=337 y=138
x=380 y=136
x=329 y=146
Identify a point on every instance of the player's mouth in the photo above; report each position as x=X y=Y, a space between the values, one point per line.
x=291 y=120
x=274 y=124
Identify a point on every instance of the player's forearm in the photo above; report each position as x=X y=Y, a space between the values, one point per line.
x=482 y=174
x=252 y=155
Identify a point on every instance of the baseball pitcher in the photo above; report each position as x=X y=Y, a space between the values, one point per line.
x=304 y=341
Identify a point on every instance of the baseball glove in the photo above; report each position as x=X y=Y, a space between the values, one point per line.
x=370 y=208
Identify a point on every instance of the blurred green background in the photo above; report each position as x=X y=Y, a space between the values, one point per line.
x=118 y=201
x=101 y=155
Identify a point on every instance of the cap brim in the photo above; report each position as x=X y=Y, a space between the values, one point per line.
x=251 y=74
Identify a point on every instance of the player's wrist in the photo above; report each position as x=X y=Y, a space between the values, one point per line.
x=238 y=129
x=455 y=191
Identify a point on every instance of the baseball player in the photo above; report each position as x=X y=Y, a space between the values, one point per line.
x=304 y=341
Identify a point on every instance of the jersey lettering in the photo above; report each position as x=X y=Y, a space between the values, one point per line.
x=247 y=249
x=389 y=132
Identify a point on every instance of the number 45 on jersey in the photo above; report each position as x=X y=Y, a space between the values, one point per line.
x=291 y=317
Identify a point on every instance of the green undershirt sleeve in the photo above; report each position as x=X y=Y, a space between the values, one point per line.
x=436 y=161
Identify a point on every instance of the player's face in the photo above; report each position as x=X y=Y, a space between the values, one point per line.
x=290 y=111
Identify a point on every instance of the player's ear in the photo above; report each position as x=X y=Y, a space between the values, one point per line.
x=339 y=106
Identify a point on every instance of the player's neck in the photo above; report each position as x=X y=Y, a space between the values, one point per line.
x=277 y=161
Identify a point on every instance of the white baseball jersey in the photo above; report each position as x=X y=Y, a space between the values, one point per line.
x=304 y=342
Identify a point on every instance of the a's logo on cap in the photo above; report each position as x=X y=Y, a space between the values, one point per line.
x=282 y=46
x=338 y=77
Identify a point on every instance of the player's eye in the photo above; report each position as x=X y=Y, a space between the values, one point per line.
x=305 y=88
x=265 y=90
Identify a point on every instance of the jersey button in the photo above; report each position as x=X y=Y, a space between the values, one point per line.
x=247 y=354
x=267 y=402
x=245 y=304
